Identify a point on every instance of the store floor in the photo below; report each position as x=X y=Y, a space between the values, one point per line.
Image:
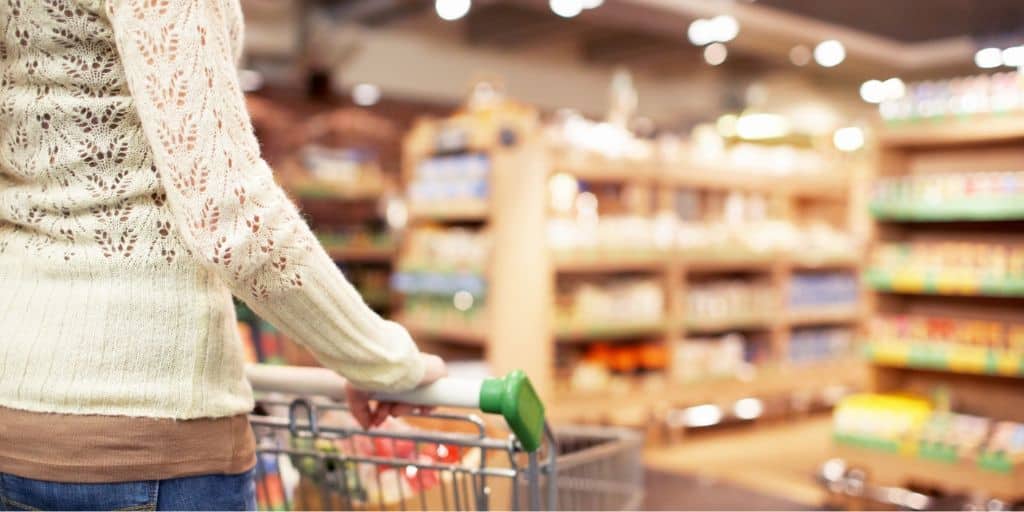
x=762 y=467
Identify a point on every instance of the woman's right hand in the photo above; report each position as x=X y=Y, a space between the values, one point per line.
x=368 y=415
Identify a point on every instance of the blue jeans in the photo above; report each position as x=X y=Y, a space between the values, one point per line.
x=210 y=492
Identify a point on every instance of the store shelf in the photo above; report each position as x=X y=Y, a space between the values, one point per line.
x=827 y=315
x=952 y=210
x=702 y=176
x=812 y=262
x=979 y=129
x=928 y=284
x=595 y=331
x=603 y=170
x=953 y=478
x=730 y=324
x=705 y=262
x=636 y=402
x=947 y=358
x=599 y=263
x=361 y=253
x=455 y=211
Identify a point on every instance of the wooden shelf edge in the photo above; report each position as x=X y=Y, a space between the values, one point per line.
x=608 y=263
x=610 y=331
x=468 y=212
x=897 y=470
x=979 y=129
x=829 y=315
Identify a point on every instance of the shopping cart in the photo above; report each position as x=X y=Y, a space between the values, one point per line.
x=309 y=457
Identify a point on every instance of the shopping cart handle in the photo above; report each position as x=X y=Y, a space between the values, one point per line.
x=511 y=396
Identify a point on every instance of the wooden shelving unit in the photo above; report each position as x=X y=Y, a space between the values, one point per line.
x=523 y=273
x=980 y=380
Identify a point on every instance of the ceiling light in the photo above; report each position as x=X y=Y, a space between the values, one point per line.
x=451 y=10
x=365 y=95
x=848 y=139
x=762 y=126
x=1013 y=56
x=592 y=4
x=894 y=88
x=724 y=28
x=715 y=54
x=988 y=58
x=800 y=55
x=748 y=408
x=702 y=415
x=566 y=8
x=829 y=53
x=872 y=91
x=701 y=32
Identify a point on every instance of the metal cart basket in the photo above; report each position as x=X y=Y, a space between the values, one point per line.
x=309 y=457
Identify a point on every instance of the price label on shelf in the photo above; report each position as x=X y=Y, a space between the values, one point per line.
x=1010 y=363
x=908 y=282
x=966 y=359
x=890 y=353
x=955 y=283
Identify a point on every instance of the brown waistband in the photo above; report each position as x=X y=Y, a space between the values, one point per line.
x=99 y=449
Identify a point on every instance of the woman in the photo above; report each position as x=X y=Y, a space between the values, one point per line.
x=133 y=203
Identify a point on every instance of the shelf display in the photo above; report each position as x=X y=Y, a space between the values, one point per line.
x=950 y=197
x=616 y=306
x=948 y=344
x=581 y=242
x=958 y=268
x=816 y=344
x=956 y=97
x=815 y=291
x=344 y=173
x=952 y=332
x=730 y=304
x=697 y=359
x=447 y=183
x=622 y=237
x=912 y=427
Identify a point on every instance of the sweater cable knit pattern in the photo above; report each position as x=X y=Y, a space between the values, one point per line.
x=134 y=202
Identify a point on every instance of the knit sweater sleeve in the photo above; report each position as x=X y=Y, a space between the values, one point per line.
x=178 y=59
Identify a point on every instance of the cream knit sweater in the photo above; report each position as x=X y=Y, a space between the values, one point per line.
x=133 y=202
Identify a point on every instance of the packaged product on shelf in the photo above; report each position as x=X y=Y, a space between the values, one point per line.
x=814 y=344
x=706 y=358
x=1006 y=446
x=882 y=420
x=913 y=427
x=810 y=290
x=975 y=261
x=961 y=96
x=952 y=196
x=356 y=168
x=730 y=302
x=447 y=250
x=944 y=331
x=451 y=179
x=610 y=304
x=604 y=366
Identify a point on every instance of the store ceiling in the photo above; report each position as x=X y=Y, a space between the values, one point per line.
x=914 y=21
x=910 y=38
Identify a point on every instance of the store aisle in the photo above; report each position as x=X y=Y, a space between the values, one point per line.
x=671 y=491
x=764 y=467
